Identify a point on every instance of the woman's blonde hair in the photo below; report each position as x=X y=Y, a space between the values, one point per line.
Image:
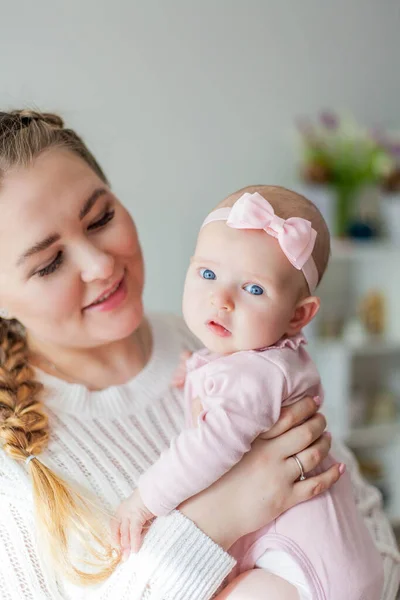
x=63 y=514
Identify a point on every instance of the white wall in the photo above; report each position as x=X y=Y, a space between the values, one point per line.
x=183 y=102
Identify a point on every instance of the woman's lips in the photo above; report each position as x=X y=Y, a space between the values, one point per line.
x=112 y=301
x=218 y=329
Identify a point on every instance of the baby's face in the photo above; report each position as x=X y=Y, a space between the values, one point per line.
x=240 y=290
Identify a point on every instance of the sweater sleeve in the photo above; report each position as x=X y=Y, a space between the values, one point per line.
x=369 y=503
x=177 y=561
x=242 y=398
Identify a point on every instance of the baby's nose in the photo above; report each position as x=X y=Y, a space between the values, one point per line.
x=222 y=300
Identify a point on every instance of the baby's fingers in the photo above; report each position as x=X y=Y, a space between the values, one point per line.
x=136 y=530
x=125 y=538
x=178 y=380
x=115 y=525
x=185 y=355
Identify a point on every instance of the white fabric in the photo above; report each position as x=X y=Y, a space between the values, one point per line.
x=282 y=564
x=104 y=441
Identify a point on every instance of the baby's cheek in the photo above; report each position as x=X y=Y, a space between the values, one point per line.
x=192 y=301
x=261 y=329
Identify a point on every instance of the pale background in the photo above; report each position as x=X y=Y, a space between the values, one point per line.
x=184 y=101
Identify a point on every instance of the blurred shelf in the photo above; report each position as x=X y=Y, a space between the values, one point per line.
x=394 y=521
x=367 y=347
x=363 y=249
x=373 y=435
x=361 y=361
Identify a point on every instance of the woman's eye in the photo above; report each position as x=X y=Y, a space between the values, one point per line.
x=207 y=274
x=106 y=218
x=254 y=289
x=53 y=266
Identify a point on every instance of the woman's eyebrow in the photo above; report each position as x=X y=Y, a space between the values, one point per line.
x=54 y=237
x=39 y=247
x=91 y=201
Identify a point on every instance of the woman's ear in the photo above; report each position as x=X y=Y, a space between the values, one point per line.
x=304 y=312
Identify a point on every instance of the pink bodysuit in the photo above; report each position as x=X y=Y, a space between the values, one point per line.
x=242 y=395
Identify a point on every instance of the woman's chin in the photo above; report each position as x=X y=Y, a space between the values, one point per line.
x=120 y=325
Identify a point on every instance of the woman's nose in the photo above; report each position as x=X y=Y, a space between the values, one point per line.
x=222 y=300
x=96 y=264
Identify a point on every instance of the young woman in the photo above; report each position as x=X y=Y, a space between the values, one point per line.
x=86 y=403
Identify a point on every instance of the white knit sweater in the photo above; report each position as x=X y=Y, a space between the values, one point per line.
x=104 y=440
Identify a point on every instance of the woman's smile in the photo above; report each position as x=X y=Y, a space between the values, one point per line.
x=111 y=298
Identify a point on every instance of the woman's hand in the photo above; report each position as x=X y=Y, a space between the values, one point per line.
x=264 y=484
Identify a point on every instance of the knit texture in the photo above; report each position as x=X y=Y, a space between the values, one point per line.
x=104 y=441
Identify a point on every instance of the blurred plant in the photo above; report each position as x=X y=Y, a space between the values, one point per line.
x=338 y=152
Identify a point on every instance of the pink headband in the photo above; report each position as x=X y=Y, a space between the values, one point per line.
x=295 y=235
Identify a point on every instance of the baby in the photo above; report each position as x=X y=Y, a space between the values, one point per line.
x=249 y=292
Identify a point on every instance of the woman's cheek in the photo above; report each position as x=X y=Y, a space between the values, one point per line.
x=50 y=302
x=125 y=237
x=67 y=299
x=128 y=243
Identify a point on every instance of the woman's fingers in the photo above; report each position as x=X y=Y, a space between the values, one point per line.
x=312 y=456
x=313 y=486
x=293 y=415
x=298 y=438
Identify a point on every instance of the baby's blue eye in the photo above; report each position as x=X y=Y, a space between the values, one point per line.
x=254 y=289
x=207 y=274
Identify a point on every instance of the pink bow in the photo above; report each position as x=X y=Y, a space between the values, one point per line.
x=295 y=235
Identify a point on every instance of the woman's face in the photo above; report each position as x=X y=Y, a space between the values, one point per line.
x=65 y=243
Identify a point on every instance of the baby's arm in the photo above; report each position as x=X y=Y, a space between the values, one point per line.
x=243 y=398
x=258 y=585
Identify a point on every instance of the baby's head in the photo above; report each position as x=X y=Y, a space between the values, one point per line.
x=242 y=292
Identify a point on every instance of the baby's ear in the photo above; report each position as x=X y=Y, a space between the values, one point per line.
x=304 y=312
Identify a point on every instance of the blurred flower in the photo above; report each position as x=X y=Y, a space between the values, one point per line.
x=394 y=148
x=329 y=119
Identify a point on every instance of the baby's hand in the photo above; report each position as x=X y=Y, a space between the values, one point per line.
x=178 y=378
x=129 y=523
